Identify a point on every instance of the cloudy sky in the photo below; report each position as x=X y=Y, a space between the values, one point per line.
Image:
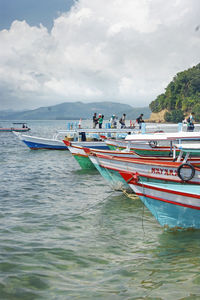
x=54 y=51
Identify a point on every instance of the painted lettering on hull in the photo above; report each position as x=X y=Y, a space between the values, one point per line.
x=164 y=171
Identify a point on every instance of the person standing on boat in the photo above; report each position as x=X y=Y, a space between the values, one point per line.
x=190 y=122
x=100 y=120
x=95 y=120
x=122 y=121
x=113 y=121
x=140 y=120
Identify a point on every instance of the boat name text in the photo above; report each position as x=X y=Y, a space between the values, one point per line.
x=167 y=172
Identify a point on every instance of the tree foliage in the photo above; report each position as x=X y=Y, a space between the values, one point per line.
x=182 y=95
x=175 y=116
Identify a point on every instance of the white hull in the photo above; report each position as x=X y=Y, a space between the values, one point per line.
x=34 y=142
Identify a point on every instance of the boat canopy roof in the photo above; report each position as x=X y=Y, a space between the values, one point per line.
x=163 y=136
x=19 y=123
x=188 y=147
x=97 y=130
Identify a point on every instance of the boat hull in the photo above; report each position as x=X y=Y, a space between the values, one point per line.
x=78 y=152
x=144 y=149
x=84 y=162
x=173 y=206
x=14 y=129
x=114 y=179
x=36 y=143
x=50 y=146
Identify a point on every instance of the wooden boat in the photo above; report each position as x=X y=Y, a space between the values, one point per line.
x=23 y=128
x=160 y=169
x=114 y=179
x=112 y=175
x=77 y=148
x=81 y=153
x=151 y=169
x=173 y=205
x=78 y=152
x=76 y=135
x=140 y=147
x=95 y=141
x=35 y=143
x=148 y=144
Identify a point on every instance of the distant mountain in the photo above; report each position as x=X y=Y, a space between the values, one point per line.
x=76 y=110
x=133 y=113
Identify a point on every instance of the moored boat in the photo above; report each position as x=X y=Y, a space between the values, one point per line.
x=156 y=169
x=95 y=140
x=149 y=144
x=173 y=205
x=78 y=152
x=35 y=143
x=14 y=128
x=140 y=147
x=111 y=162
x=151 y=169
x=77 y=148
x=81 y=152
x=114 y=179
x=76 y=135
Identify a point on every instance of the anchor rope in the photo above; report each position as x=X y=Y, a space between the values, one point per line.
x=130 y=195
x=89 y=207
x=135 y=197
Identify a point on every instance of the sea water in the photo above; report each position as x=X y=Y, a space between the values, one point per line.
x=64 y=234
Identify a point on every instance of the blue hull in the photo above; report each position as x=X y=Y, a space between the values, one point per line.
x=36 y=146
x=115 y=180
x=172 y=216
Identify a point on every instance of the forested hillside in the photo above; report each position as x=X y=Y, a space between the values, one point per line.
x=182 y=96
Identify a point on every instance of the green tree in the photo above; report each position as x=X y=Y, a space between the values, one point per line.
x=175 y=116
x=181 y=95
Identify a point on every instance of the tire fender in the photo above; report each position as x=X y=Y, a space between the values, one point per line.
x=183 y=166
x=153 y=144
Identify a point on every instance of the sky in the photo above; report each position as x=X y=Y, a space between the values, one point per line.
x=127 y=51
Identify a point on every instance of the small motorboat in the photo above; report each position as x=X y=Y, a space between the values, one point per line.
x=22 y=128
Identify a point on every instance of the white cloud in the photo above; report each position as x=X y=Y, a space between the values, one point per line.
x=100 y=50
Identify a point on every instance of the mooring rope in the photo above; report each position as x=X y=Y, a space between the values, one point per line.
x=89 y=207
x=133 y=196
x=130 y=195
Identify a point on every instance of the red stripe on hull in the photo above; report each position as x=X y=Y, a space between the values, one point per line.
x=169 y=201
x=168 y=191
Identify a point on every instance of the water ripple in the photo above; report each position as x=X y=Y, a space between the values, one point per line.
x=65 y=235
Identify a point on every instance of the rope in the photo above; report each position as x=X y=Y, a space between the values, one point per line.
x=89 y=207
x=135 y=197
x=143 y=214
x=130 y=195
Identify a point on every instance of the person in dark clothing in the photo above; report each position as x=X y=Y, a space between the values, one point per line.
x=190 y=122
x=122 y=121
x=140 y=120
x=95 y=120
